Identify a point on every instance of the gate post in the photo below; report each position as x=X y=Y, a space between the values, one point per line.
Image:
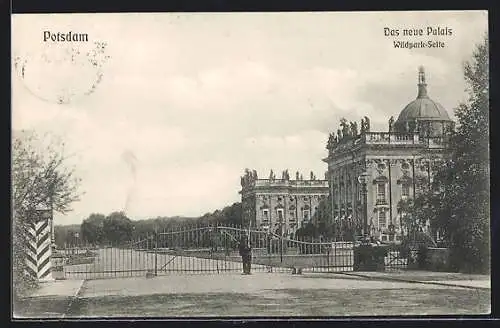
x=281 y=248
x=39 y=250
x=156 y=252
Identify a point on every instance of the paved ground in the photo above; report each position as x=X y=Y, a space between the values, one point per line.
x=264 y=294
x=432 y=278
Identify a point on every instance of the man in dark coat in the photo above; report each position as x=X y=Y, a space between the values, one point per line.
x=246 y=254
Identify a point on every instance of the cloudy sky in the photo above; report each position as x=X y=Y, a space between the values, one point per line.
x=186 y=102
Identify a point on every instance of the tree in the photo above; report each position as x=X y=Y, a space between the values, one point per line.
x=465 y=179
x=65 y=235
x=117 y=228
x=92 y=228
x=457 y=203
x=40 y=178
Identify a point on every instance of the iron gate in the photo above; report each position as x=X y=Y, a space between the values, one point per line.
x=205 y=250
x=399 y=258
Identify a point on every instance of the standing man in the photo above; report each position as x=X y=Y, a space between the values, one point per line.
x=246 y=254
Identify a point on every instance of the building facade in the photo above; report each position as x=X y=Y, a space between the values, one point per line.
x=371 y=173
x=280 y=205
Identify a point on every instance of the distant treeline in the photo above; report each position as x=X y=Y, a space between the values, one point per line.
x=117 y=228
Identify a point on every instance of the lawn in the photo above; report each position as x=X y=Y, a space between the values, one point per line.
x=290 y=302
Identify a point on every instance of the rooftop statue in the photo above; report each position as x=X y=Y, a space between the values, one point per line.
x=367 y=124
x=313 y=177
x=354 y=129
x=345 y=127
x=391 y=124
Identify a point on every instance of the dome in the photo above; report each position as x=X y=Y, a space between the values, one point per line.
x=423 y=108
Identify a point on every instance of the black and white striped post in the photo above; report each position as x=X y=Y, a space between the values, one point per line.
x=39 y=250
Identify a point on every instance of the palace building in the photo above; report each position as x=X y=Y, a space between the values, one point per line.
x=280 y=205
x=370 y=173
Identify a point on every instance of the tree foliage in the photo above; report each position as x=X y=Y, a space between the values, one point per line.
x=458 y=202
x=92 y=229
x=41 y=178
x=117 y=228
x=65 y=234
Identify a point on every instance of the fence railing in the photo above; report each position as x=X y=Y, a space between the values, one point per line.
x=204 y=249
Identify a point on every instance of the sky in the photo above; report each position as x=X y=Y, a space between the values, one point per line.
x=178 y=105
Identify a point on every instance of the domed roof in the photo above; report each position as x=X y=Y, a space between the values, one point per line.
x=423 y=108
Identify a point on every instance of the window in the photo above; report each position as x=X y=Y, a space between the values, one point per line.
x=265 y=214
x=305 y=214
x=382 y=220
x=280 y=214
x=292 y=216
x=381 y=192
x=384 y=238
x=405 y=190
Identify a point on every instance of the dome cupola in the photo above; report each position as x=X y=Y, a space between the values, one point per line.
x=423 y=113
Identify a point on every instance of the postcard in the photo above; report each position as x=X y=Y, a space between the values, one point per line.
x=250 y=164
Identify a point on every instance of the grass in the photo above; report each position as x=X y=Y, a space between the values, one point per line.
x=290 y=302
x=41 y=307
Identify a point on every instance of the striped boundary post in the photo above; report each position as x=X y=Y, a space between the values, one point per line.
x=39 y=252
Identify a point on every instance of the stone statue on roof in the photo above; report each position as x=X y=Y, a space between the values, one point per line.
x=313 y=177
x=391 y=124
x=285 y=175
x=345 y=127
x=367 y=124
x=271 y=175
x=354 y=129
x=330 y=143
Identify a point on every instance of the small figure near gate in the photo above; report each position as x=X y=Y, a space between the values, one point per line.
x=246 y=254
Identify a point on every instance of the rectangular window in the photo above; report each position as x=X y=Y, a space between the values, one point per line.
x=381 y=192
x=292 y=216
x=305 y=214
x=349 y=193
x=405 y=190
x=384 y=238
x=382 y=221
x=280 y=214
x=265 y=214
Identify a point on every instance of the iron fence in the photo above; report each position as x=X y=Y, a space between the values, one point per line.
x=205 y=250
